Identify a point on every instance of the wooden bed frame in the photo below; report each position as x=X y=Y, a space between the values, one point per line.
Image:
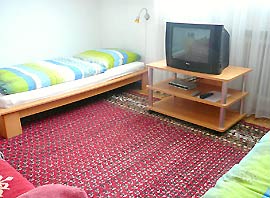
x=10 y=123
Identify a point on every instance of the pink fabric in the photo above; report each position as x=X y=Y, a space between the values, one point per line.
x=55 y=191
x=18 y=185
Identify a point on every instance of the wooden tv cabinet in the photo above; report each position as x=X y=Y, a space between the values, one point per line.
x=182 y=105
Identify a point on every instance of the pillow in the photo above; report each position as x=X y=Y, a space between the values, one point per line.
x=55 y=191
x=109 y=57
x=13 y=183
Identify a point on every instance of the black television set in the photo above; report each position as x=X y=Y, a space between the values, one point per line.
x=200 y=48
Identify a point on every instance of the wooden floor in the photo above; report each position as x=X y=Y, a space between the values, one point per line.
x=265 y=122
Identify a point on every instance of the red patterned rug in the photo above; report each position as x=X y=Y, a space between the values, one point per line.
x=111 y=146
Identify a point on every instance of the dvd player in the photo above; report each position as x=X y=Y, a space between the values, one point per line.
x=183 y=84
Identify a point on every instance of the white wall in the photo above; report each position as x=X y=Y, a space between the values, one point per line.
x=39 y=29
x=118 y=28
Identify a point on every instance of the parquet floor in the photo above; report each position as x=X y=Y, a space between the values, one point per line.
x=265 y=122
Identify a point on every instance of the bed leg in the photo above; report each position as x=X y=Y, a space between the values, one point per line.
x=144 y=81
x=10 y=125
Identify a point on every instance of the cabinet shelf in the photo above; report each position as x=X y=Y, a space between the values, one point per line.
x=194 y=112
x=165 y=87
x=228 y=74
x=182 y=105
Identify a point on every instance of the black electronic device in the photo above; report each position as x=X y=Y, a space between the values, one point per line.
x=183 y=84
x=206 y=95
x=200 y=48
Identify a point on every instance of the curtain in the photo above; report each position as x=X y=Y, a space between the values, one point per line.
x=248 y=23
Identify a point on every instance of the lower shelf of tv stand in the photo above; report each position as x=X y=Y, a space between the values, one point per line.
x=196 y=113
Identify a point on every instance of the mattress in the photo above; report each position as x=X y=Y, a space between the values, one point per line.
x=7 y=101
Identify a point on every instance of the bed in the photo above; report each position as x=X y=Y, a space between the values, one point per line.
x=113 y=68
x=249 y=178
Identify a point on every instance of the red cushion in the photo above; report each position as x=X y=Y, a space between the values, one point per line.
x=18 y=185
x=55 y=191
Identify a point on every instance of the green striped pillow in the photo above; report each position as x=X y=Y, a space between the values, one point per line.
x=109 y=57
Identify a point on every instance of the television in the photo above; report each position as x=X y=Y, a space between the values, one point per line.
x=200 y=48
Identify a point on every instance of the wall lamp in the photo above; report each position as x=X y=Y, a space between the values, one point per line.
x=146 y=15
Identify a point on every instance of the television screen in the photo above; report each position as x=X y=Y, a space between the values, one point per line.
x=197 y=47
x=191 y=44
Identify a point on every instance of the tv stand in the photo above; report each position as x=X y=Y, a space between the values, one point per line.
x=182 y=105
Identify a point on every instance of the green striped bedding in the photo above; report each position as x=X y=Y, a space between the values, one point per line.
x=35 y=75
x=250 y=178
